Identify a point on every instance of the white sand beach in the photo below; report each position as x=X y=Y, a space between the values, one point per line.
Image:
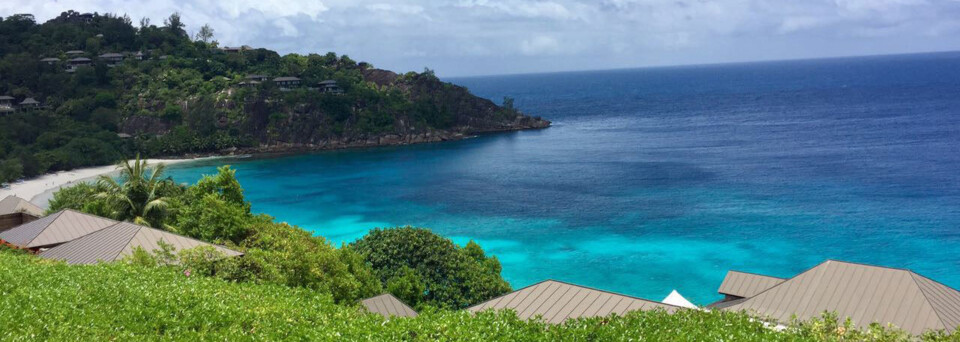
x=39 y=190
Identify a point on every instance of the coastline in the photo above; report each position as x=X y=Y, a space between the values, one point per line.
x=39 y=190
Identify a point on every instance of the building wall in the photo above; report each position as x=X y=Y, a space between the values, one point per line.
x=12 y=220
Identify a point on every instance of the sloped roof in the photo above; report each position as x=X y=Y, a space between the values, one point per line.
x=742 y=284
x=864 y=293
x=328 y=82
x=557 y=301
x=29 y=100
x=387 y=305
x=5 y=97
x=13 y=204
x=80 y=59
x=286 y=78
x=74 y=52
x=111 y=55
x=55 y=229
x=120 y=240
x=50 y=59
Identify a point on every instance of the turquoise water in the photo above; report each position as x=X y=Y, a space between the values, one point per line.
x=661 y=179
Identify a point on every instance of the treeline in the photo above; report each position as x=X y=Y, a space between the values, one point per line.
x=182 y=95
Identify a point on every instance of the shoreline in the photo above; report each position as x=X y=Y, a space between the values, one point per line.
x=40 y=190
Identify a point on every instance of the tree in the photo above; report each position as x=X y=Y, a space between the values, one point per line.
x=428 y=269
x=205 y=34
x=139 y=195
x=174 y=25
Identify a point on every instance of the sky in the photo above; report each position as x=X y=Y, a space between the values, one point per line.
x=484 y=37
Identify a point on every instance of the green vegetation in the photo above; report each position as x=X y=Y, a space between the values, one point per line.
x=41 y=300
x=420 y=267
x=185 y=96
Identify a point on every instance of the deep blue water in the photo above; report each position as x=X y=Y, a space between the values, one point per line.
x=663 y=178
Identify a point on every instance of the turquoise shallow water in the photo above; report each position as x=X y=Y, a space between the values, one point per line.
x=661 y=179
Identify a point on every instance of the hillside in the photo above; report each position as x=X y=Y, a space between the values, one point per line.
x=105 y=89
x=41 y=300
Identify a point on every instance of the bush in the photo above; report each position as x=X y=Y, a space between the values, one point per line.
x=429 y=269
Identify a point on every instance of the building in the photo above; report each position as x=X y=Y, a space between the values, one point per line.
x=75 y=53
x=54 y=229
x=863 y=293
x=15 y=211
x=112 y=58
x=120 y=240
x=240 y=49
x=258 y=78
x=140 y=56
x=6 y=101
x=330 y=87
x=287 y=82
x=249 y=84
x=29 y=104
x=557 y=302
x=50 y=60
x=388 y=306
x=75 y=63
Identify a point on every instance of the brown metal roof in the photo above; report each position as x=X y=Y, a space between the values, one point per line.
x=742 y=284
x=387 y=305
x=13 y=204
x=120 y=240
x=864 y=293
x=557 y=302
x=55 y=229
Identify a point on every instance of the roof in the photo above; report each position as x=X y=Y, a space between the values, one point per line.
x=4 y=97
x=742 y=284
x=864 y=293
x=80 y=59
x=256 y=76
x=55 y=229
x=29 y=100
x=13 y=204
x=119 y=240
x=328 y=82
x=557 y=301
x=676 y=299
x=50 y=59
x=286 y=78
x=387 y=305
x=111 y=55
x=74 y=52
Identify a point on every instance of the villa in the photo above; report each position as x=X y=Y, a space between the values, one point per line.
x=258 y=78
x=388 y=306
x=864 y=293
x=6 y=101
x=287 y=82
x=112 y=59
x=556 y=302
x=54 y=230
x=75 y=63
x=75 y=53
x=29 y=104
x=330 y=87
x=50 y=60
x=15 y=211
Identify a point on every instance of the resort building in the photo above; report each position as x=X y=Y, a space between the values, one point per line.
x=258 y=78
x=864 y=293
x=29 y=104
x=15 y=211
x=6 y=101
x=240 y=49
x=140 y=56
x=75 y=53
x=330 y=87
x=287 y=82
x=112 y=59
x=53 y=230
x=557 y=302
x=120 y=240
x=50 y=60
x=249 y=84
x=388 y=306
x=75 y=63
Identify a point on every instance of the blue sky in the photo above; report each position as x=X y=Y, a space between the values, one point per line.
x=477 y=37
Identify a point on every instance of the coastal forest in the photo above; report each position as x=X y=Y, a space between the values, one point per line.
x=90 y=89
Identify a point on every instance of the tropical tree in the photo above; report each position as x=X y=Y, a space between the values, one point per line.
x=140 y=194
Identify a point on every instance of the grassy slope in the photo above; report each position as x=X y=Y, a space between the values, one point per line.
x=41 y=300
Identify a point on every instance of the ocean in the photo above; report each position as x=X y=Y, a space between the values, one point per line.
x=657 y=179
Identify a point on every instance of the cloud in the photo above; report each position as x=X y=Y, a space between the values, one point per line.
x=503 y=36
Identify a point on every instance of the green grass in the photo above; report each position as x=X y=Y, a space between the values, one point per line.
x=41 y=300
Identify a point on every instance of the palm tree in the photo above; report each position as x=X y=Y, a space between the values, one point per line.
x=138 y=194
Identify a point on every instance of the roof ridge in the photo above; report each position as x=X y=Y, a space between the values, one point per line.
x=608 y=292
x=788 y=279
x=124 y=246
x=914 y=275
x=508 y=293
x=53 y=217
x=757 y=274
x=871 y=265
